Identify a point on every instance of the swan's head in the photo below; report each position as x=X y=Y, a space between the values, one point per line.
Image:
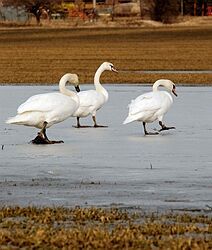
x=167 y=84
x=75 y=81
x=72 y=79
x=170 y=86
x=108 y=66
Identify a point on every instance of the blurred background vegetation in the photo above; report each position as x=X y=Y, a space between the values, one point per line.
x=165 y=11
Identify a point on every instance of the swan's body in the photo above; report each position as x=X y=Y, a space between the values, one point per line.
x=44 y=110
x=90 y=102
x=152 y=106
x=93 y=100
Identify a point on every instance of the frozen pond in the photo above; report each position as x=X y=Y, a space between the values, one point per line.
x=110 y=166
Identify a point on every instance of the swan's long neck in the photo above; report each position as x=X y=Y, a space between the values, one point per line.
x=65 y=91
x=156 y=85
x=97 y=84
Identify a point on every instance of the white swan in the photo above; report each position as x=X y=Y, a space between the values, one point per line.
x=152 y=106
x=44 y=110
x=93 y=100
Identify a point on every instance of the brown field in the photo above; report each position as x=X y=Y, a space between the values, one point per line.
x=40 y=55
x=43 y=55
x=95 y=228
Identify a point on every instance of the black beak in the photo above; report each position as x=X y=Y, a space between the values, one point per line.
x=174 y=92
x=77 y=88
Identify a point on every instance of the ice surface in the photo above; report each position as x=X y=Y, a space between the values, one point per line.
x=117 y=165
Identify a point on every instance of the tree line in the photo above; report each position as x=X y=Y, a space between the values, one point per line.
x=163 y=10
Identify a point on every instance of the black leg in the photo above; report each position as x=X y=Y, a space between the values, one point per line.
x=163 y=127
x=80 y=126
x=43 y=130
x=39 y=139
x=78 y=122
x=148 y=133
x=145 y=131
x=42 y=138
x=96 y=125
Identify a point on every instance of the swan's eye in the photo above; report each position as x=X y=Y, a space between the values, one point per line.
x=174 y=87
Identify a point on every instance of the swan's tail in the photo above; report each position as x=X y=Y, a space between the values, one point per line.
x=128 y=120
x=15 y=120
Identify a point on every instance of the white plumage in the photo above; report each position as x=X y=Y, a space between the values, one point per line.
x=90 y=102
x=93 y=100
x=152 y=106
x=44 y=110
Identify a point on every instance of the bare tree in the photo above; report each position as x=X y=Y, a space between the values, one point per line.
x=36 y=7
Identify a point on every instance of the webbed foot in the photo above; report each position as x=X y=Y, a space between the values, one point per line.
x=100 y=126
x=151 y=133
x=41 y=139
x=82 y=126
x=166 y=128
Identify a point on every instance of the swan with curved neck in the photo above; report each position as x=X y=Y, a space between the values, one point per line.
x=99 y=88
x=93 y=100
x=72 y=79
x=44 y=110
x=152 y=106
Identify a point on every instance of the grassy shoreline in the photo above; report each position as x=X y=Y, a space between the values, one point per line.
x=97 y=228
x=43 y=55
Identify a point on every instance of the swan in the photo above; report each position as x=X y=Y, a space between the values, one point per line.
x=44 y=110
x=93 y=100
x=152 y=106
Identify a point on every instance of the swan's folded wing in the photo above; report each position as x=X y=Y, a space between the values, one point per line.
x=144 y=103
x=42 y=102
x=88 y=98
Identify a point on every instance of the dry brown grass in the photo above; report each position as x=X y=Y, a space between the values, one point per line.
x=93 y=228
x=43 y=55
